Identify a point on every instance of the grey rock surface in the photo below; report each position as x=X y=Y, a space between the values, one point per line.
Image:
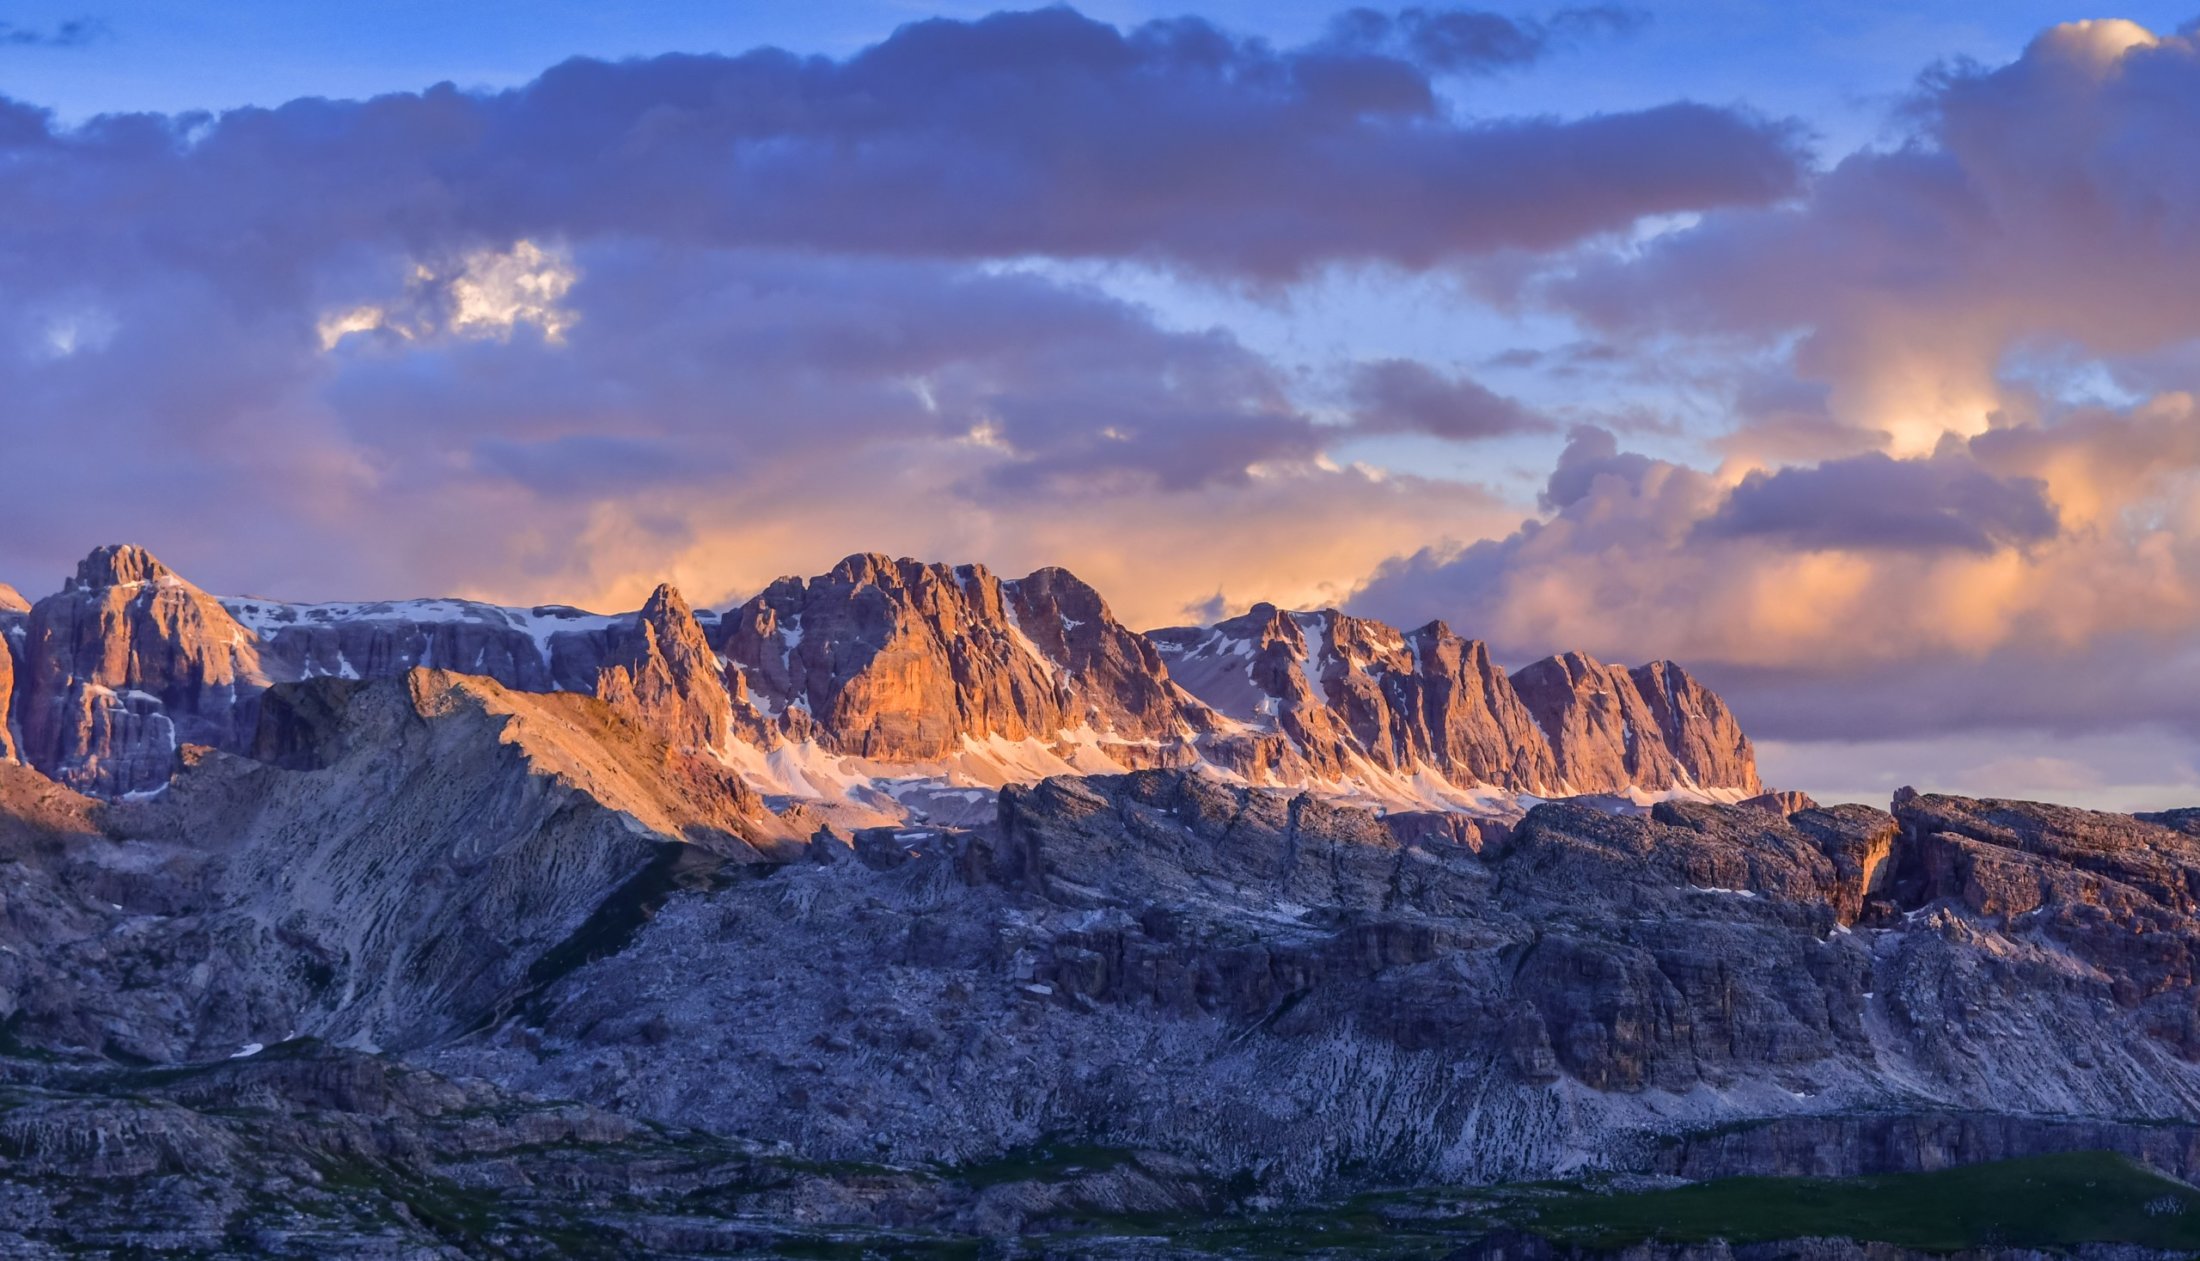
x=427 y=905
x=1121 y=955
x=415 y=872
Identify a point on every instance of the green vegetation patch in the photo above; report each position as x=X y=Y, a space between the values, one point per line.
x=1042 y=1162
x=2040 y=1201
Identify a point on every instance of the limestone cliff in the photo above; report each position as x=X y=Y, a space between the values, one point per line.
x=13 y=614
x=897 y=661
x=1655 y=727
x=123 y=666
x=661 y=672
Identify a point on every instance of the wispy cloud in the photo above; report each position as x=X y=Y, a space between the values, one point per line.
x=73 y=33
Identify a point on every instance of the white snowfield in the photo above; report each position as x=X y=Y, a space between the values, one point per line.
x=270 y=618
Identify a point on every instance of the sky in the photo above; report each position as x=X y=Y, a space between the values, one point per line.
x=1844 y=353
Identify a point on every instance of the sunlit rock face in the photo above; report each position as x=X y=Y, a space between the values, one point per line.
x=1653 y=727
x=123 y=666
x=14 y=614
x=906 y=662
x=662 y=673
x=1354 y=696
x=884 y=672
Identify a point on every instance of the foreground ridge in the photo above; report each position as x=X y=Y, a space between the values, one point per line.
x=355 y=966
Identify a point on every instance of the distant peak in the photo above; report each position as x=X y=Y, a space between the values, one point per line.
x=120 y=564
x=864 y=567
x=666 y=601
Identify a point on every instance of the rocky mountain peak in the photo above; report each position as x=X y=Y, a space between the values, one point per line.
x=875 y=568
x=1702 y=733
x=125 y=665
x=1362 y=703
x=12 y=601
x=666 y=607
x=903 y=661
x=119 y=565
x=663 y=674
x=1653 y=728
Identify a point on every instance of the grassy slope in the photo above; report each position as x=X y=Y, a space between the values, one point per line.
x=2043 y=1201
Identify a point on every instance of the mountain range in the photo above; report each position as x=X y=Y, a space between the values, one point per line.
x=885 y=684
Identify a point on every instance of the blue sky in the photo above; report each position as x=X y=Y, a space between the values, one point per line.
x=1848 y=353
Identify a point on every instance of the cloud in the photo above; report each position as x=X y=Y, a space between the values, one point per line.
x=2044 y=205
x=73 y=33
x=717 y=416
x=2043 y=577
x=1024 y=133
x=1455 y=41
x=521 y=343
x=1401 y=396
x=1592 y=453
x=1873 y=501
x=1959 y=506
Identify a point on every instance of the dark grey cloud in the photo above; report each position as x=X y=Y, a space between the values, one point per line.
x=771 y=266
x=1875 y=501
x=1402 y=396
x=1459 y=40
x=1022 y=133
